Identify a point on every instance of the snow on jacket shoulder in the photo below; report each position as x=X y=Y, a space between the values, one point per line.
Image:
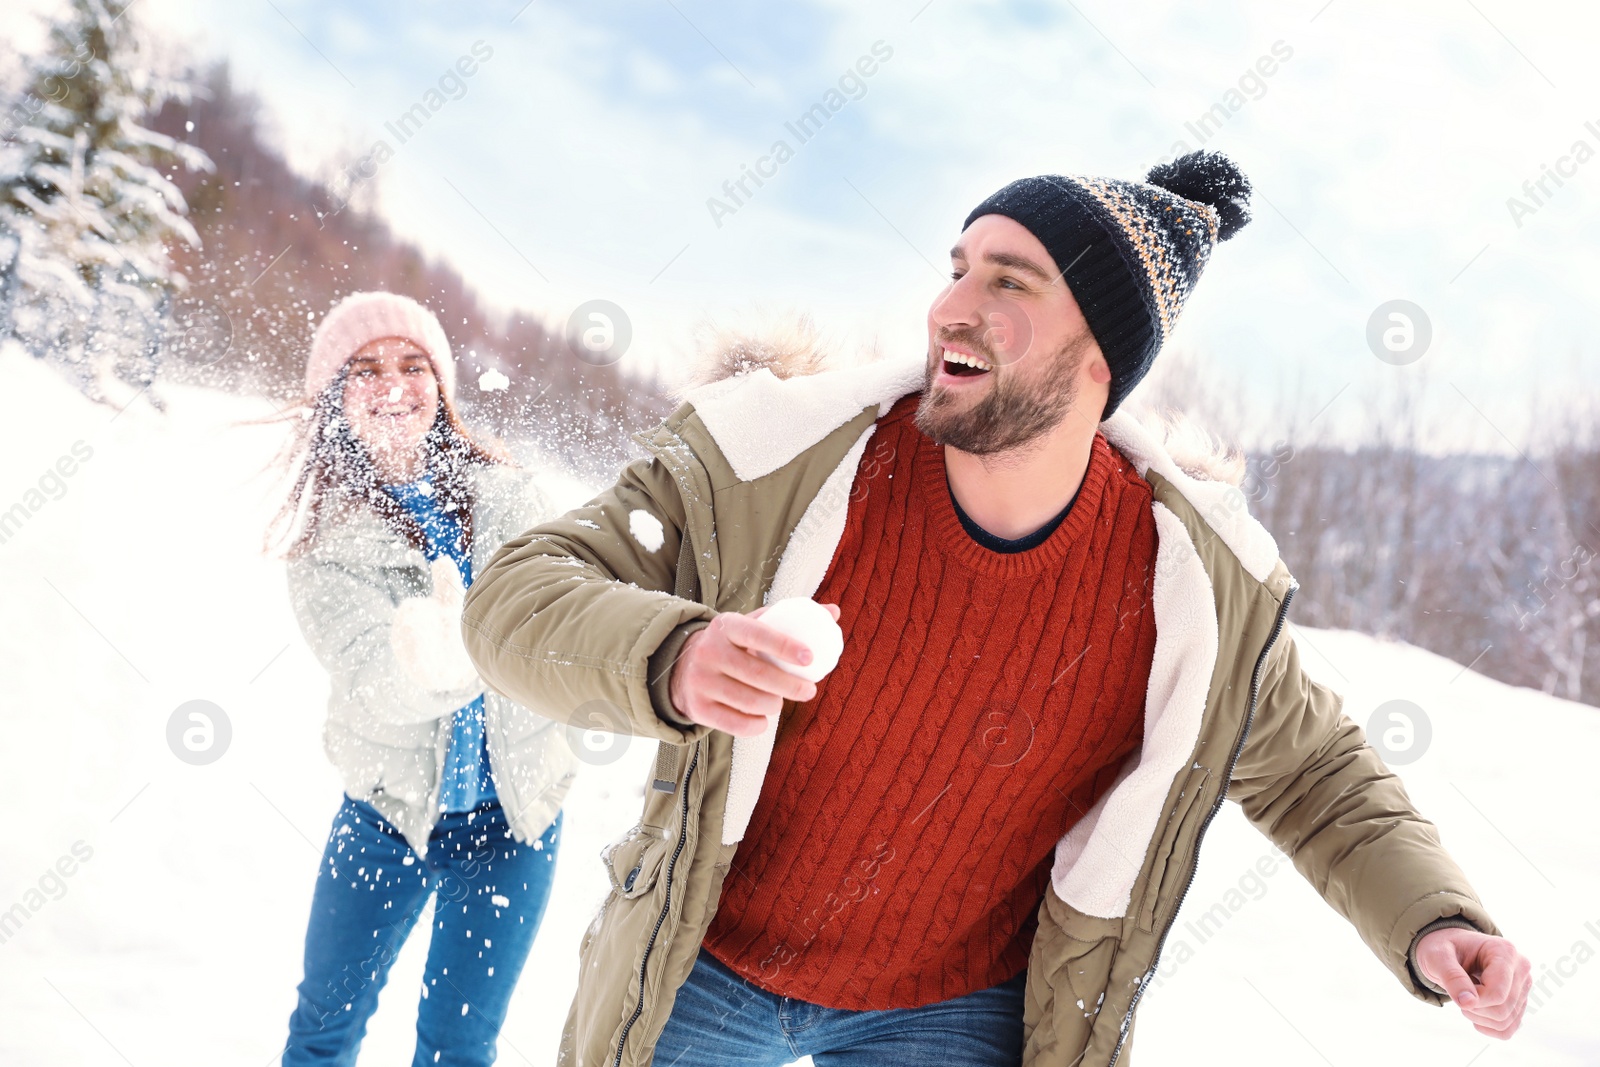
x=387 y=735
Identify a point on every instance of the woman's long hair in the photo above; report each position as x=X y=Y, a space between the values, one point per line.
x=335 y=471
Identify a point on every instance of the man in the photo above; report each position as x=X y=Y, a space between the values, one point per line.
x=967 y=843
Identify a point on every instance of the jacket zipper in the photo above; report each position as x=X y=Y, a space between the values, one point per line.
x=666 y=906
x=1222 y=796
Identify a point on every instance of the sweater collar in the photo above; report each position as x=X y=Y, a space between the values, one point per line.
x=955 y=543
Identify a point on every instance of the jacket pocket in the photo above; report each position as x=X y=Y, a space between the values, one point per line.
x=635 y=860
x=1170 y=869
x=1069 y=973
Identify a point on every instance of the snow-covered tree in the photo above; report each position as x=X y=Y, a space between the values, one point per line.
x=86 y=212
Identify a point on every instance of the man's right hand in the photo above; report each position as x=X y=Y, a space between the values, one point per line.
x=719 y=680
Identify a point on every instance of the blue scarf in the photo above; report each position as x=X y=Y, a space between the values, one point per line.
x=467 y=780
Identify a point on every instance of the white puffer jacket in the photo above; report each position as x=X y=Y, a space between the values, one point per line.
x=388 y=735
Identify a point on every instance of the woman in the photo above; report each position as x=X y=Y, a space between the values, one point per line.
x=448 y=789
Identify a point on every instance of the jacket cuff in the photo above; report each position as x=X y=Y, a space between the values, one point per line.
x=660 y=672
x=1411 y=953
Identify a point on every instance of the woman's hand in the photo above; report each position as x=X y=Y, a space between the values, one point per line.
x=426 y=634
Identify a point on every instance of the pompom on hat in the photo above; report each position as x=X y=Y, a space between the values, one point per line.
x=361 y=318
x=1130 y=251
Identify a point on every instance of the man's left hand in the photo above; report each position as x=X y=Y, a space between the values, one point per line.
x=1486 y=976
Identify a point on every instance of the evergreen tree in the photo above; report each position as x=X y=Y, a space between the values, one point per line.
x=86 y=212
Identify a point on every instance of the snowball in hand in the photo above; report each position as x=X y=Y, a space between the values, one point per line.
x=813 y=625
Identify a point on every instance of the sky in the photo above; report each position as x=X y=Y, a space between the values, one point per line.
x=1384 y=141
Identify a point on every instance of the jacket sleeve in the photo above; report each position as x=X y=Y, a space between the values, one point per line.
x=566 y=617
x=345 y=619
x=1308 y=780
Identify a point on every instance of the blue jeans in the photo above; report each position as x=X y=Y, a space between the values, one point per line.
x=720 y=1019
x=371 y=888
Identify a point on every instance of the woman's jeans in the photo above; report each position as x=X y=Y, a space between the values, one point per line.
x=719 y=1019
x=371 y=888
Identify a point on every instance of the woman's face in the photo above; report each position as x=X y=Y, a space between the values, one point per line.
x=390 y=398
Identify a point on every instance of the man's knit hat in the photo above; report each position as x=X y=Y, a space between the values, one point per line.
x=1130 y=251
x=361 y=318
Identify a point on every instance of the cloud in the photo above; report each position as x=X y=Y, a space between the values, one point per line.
x=1383 y=151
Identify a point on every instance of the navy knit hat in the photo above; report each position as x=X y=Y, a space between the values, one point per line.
x=1130 y=251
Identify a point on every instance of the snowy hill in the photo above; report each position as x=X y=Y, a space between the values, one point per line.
x=163 y=904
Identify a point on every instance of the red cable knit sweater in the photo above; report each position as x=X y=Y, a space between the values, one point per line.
x=906 y=828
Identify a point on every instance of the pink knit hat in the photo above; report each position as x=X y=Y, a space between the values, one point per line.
x=362 y=318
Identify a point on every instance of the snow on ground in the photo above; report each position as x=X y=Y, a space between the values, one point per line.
x=163 y=904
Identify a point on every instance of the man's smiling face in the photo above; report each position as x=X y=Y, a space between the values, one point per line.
x=1009 y=351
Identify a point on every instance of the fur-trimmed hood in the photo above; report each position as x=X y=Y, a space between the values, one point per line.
x=796 y=349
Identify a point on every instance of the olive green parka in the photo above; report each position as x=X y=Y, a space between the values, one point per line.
x=741 y=500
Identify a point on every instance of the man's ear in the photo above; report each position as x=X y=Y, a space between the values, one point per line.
x=1099 y=372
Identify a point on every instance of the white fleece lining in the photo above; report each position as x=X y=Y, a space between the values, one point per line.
x=1223 y=506
x=1098 y=860
x=800 y=573
x=760 y=422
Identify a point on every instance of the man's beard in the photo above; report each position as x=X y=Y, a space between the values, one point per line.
x=1012 y=413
